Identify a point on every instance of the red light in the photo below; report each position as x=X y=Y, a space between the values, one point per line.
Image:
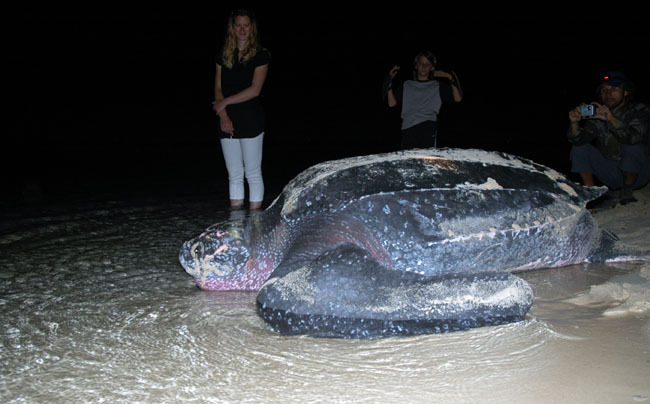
x=606 y=78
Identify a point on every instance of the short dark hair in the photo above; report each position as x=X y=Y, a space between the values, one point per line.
x=617 y=79
x=429 y=56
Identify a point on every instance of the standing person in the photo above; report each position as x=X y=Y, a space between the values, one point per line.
x=242 y=66
x=610 y=138
x=421 y=99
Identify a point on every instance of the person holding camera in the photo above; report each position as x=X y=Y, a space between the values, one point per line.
x=610 y=138
x=421 y=99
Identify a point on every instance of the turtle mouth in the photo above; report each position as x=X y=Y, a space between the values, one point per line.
x=215 y=278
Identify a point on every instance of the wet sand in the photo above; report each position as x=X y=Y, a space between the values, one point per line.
x=96 y=308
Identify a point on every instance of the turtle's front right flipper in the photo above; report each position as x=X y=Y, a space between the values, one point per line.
x=346 y=293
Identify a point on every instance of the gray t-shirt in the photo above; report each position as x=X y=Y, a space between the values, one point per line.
x=421 y=102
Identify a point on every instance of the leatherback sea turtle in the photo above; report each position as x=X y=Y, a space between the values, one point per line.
x=403 y=243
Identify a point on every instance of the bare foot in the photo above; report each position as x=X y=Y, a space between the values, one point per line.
x=236 y=203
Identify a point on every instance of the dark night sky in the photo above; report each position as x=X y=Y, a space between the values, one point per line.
x=106 y=100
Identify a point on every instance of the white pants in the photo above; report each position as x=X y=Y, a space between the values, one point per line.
x=244 y=157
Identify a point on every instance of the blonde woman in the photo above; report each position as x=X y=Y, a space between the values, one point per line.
x=242 y=66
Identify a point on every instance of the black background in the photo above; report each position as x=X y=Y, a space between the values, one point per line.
x=118 y=102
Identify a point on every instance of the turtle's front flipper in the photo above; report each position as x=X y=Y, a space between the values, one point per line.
x=346 y=293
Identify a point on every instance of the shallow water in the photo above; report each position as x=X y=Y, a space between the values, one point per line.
x=96 y=308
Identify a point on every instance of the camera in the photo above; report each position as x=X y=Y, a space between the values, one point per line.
x=587 y=110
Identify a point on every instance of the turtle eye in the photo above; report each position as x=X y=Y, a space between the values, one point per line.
x=196 y=250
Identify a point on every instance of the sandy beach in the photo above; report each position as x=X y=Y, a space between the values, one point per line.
x=630 y=222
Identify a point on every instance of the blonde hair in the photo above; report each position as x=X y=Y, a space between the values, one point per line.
x=230 y=41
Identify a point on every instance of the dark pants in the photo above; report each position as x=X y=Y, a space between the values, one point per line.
x=634 y=159
x=420 y=136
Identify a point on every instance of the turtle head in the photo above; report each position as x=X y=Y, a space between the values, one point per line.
x=218 y=258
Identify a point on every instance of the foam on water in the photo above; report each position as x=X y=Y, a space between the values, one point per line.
x=621 y=295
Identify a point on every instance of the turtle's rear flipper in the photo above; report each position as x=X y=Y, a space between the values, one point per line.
x=608 y=248
x=346 y=293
